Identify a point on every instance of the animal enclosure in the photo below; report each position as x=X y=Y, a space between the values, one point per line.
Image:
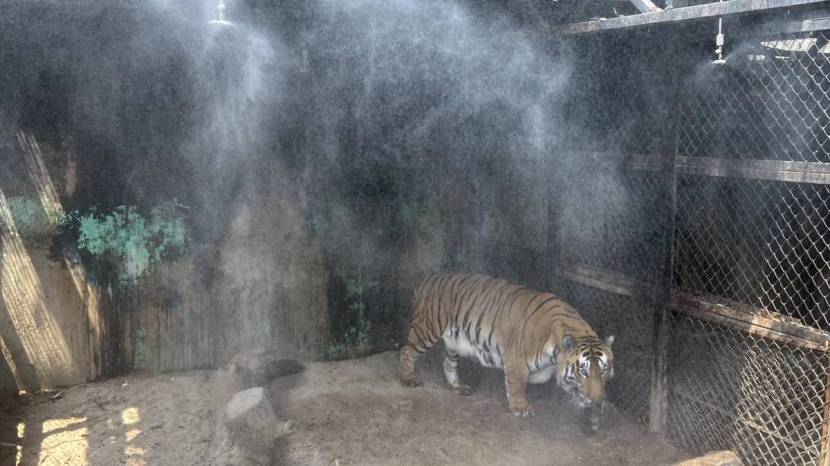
x=186 y=186
x=712 y=268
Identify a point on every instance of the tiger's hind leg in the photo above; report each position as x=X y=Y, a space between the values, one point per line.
x=418 y=342
x=450 y=365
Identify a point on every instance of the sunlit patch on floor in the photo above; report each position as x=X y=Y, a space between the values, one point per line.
x=130 y=416
x=21 y=432
x=132 y=434
x=65 y=441
x=134 y=455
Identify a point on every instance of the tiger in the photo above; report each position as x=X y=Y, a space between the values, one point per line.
x=530 y=335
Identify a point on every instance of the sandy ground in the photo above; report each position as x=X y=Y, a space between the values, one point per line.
x=136 y=420
x=348 y=413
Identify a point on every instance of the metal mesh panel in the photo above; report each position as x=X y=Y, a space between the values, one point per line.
x=730 y=390
x=631 y=322
x=611 y=223
x=751 y=243
x=759 y=243
x=771 y=101
x=762 y=243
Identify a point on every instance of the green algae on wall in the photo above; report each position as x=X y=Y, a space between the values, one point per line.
x=133 y=242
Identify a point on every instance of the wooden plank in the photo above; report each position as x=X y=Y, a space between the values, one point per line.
x=644 y=6
x=750 y=320
x=824 y=456
x=677 y=15
x=715 y=458
x=773 y=170
x=812 y=21
x=667 y=212
x=742 y=317
x=628 y=160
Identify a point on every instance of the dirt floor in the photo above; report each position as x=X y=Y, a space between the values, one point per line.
x=348 y=413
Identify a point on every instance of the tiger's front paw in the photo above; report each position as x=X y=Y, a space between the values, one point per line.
x=411 y=382
x=463 y=390
x=521 y=409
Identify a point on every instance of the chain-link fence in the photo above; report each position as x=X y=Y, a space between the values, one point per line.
x=720 y=226
x=756 y=242
x=731 y=390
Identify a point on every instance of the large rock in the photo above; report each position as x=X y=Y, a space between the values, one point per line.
x=252 y=424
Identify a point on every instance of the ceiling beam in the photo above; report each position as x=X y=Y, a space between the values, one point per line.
x=676 y=15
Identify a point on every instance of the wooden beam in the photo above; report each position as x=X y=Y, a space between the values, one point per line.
x=808 y=21
x=773 y=170
x=628 y=160
x=677 y=15
x=749 y=319
x=738 y=316
x=645 y=6
x=824 y=456
x=667 y=214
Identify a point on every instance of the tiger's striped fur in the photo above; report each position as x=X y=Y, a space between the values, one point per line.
x=530 y=334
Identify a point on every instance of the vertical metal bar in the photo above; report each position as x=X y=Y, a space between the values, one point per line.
x=658 y=404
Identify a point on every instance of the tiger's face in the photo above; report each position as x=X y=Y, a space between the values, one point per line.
x=585 y=367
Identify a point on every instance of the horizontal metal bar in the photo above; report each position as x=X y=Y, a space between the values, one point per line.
x=690 y=13
x=794 y=172
x=738 y=316
x=749 y=319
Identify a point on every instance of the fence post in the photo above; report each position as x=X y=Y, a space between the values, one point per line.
x=658 y=403
x=824 y=455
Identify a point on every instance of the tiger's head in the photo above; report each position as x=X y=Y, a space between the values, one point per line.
x=584 y=367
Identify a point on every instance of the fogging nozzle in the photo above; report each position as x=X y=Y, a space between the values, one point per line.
x=220 y=16
x=719 y=40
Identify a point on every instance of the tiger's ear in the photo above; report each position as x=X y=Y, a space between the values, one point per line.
x=609 y=340
x=567 y=343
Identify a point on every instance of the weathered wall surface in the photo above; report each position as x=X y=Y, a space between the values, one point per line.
x=43 y=319
x=264 y=290
x=320 y=176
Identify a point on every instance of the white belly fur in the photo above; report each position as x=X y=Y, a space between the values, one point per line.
x=464 y=347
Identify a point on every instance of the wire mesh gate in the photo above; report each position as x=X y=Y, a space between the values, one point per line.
x=704 y=244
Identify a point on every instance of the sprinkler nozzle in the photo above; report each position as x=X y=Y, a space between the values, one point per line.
x=719 y=44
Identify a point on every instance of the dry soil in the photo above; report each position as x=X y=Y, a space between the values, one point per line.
x=348 y=413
